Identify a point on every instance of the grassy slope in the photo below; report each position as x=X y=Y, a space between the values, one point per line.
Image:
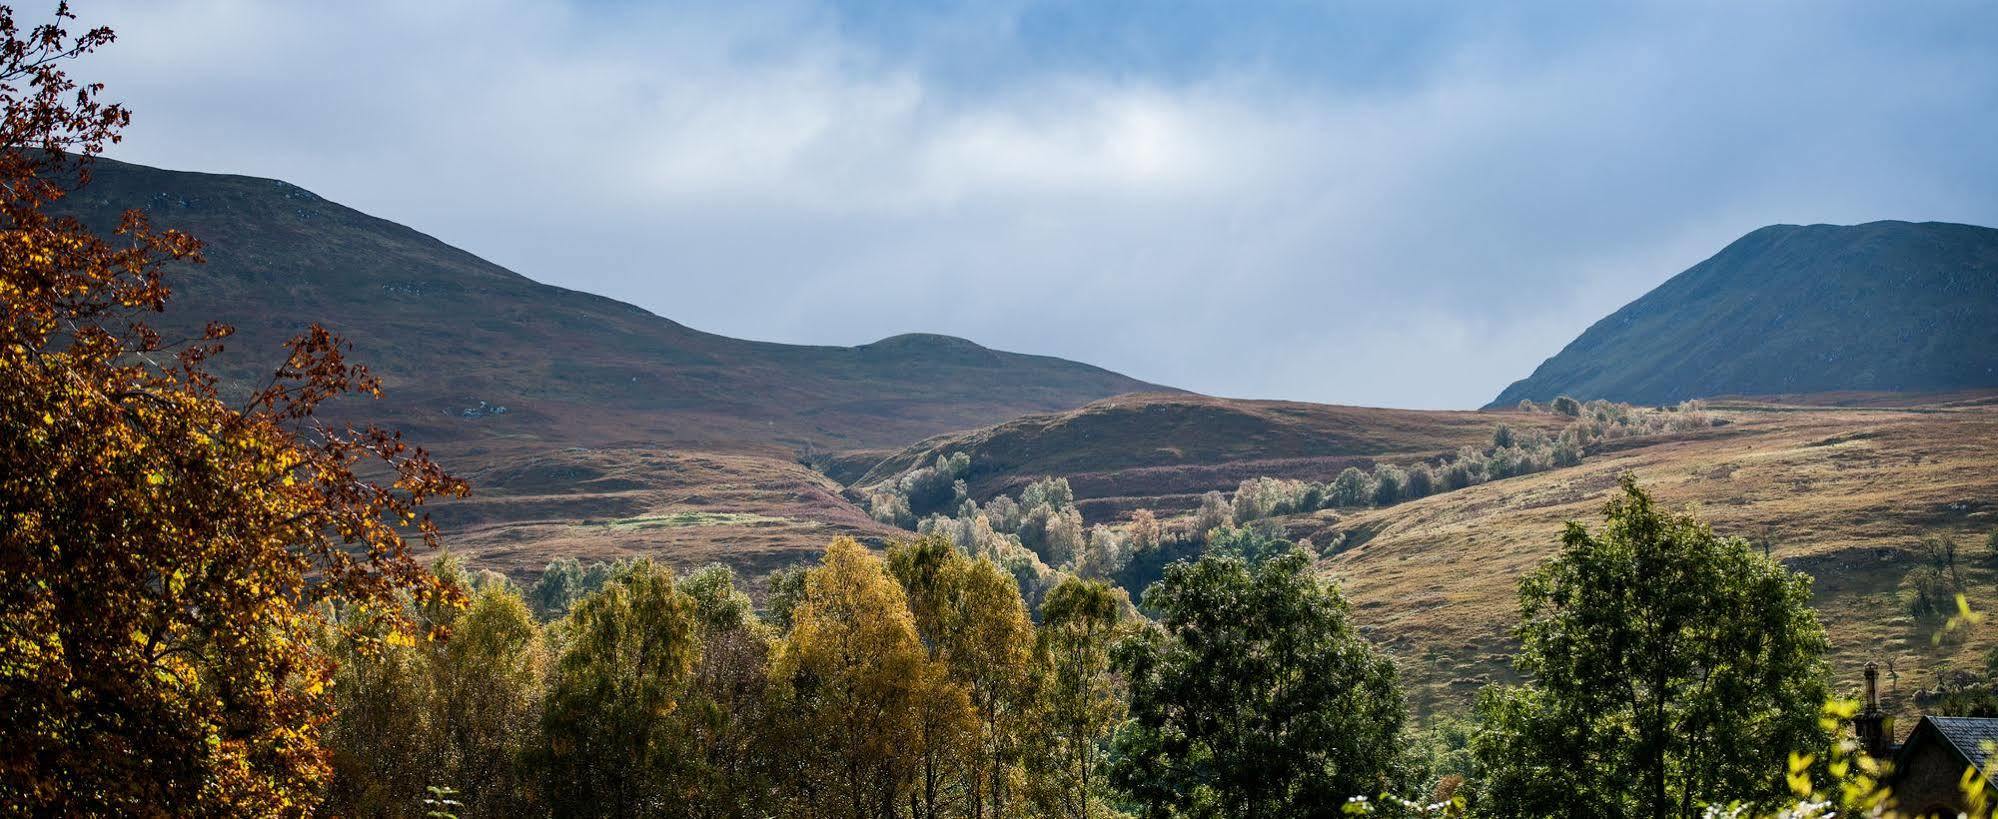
x=686 y=508
x=1842 y=486
x=1787 y=309
x=1842 y=492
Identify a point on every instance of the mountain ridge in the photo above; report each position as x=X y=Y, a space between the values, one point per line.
x=1789 y=309
x=470 y=350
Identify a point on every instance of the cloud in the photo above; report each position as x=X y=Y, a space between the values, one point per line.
x=1412 y=215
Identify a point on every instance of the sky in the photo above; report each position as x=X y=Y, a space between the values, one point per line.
x=1377 y=203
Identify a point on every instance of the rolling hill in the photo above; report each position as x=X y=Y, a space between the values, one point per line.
x=1162 y=451
x=456 y=338
x=1883 y=306
x=1839 y=486
x=1841 y=493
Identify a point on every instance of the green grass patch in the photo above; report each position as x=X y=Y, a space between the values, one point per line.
x=687 y=519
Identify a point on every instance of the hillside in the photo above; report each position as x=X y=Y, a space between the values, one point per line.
x=1163 y=450
x=1841 y=493
x=1841 y=486
x=456 y=337
x=1882 y=307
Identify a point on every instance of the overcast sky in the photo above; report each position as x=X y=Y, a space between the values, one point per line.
x=1397 y=204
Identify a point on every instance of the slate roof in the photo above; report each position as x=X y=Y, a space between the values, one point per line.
x=1972 y=736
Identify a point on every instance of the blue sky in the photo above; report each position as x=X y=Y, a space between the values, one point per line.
x=1401 y=204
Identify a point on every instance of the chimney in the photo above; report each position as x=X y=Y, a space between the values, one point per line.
x=1871 y=725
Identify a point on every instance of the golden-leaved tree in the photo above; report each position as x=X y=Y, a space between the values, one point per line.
x=162 y=550
x=867 y=697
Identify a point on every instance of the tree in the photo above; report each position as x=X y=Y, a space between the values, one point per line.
x=1142 y=533
x=164 y=553
x=614 y=745
x=969 y=615
x=1352 y=488
x=1669 y=668
x=859 y=683
x=384 y=734
x=1079 y=700
x=1215 y=512
x=1388 y=483
x=1564 y=405
x=729 y=708
x=487 y=700
x=1254 y=696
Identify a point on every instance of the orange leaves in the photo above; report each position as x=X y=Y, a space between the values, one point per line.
x=160 y=550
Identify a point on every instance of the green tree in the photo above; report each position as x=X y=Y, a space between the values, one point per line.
x=1254 y=697
x=1079 y=701
x=1352 y=488
x=384 y=734
x=1669 y=668
x=487 y=699
x=729 y=711
x=614 y=745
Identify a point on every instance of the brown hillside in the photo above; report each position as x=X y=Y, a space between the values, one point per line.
x=1163 y=450
x=455 y=337
x=1842 y=493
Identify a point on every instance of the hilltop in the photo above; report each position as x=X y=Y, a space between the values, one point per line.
x=1878 y=307
x=472 y=352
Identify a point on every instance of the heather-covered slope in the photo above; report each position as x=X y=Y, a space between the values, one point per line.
x=1884 y=306
x=457 y=337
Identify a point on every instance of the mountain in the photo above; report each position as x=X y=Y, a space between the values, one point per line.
x=472 y=352
x=1879 y=307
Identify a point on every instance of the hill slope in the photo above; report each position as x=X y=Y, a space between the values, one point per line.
x=455 y=337
x=1160 y=451
x=1884 y=306
x=1842 y=493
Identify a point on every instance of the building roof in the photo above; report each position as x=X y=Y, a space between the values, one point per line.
x=1973 y=737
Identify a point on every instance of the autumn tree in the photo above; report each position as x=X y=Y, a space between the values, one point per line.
x=970 y=616
x=1254 y=696
x=1078 y=700
x=614 y=745
x=164 y=552
x=861 y=687
x=1668 y=668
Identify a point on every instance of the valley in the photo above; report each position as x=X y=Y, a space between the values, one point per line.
x=595 y=430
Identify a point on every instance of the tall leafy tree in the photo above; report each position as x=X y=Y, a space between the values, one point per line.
x=614 y=743
x=1254 y=697
x=162 y=551
x=1079 y=701
x=487 y=700
x=1668 y=668
x=862 y=689
x=971 y=617
x=730 y=709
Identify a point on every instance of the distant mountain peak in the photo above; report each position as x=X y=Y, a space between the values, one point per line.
x=1885 y=306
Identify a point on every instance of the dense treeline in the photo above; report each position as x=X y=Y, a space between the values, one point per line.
x=921 y=683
